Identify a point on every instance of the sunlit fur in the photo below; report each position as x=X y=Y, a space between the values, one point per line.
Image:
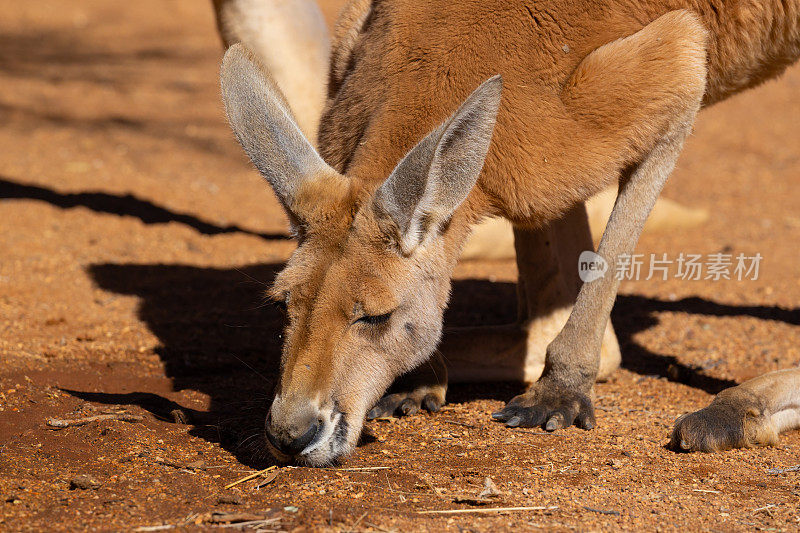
x=290 y=36
x=359 y=275
x=749 y=415
x=590 y=88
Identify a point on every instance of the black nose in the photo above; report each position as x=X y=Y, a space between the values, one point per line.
x=283 y=441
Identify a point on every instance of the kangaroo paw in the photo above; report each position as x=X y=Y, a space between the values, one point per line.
x=735 y=419
x=423 y=388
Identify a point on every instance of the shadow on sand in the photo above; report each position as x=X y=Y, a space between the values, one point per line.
x=220 y=338
x=120 y=204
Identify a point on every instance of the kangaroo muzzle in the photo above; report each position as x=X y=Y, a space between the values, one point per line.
x=298 y=429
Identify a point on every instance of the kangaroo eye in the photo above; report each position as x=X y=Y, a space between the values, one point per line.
x=374 y=320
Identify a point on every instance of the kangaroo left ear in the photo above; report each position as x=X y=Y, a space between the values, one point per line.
x=436 y=176
x=266 y=129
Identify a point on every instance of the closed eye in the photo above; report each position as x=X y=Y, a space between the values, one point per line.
x=375 y=320
x=280 y=303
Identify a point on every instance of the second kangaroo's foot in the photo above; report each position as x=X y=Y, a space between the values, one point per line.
x=735 y=419
x=550 y=405
x=422 y=388
x=749 y=415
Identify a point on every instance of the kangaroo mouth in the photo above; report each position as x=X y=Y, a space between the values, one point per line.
x=331 y=444
x=328 y=445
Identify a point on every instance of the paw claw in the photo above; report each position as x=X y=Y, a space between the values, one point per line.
x=554 y=423
x=586 y=420
x=408 y=407
x=431 y=404
x=550 y=406
x=407 y=403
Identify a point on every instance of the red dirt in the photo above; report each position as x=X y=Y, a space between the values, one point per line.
x=134 y=244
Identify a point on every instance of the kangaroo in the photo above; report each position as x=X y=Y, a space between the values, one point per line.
x=290 y=40
x=571 y=97
x=293 y=44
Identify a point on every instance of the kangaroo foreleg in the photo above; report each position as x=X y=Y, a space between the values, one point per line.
x=620 y=90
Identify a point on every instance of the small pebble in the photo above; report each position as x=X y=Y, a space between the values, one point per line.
x=489 y=489
x=196 y=465
x=230 y=499
x=83 y=482
x=179 y=416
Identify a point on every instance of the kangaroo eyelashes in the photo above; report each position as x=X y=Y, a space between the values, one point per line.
x=374 y=320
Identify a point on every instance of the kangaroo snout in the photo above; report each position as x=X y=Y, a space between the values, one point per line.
x=297 y=428
x=292 y=428
x=294 y=438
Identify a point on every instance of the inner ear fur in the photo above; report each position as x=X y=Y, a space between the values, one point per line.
x=421 y=194
x=265 y=127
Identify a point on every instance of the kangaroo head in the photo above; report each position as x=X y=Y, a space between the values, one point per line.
x=366 y=288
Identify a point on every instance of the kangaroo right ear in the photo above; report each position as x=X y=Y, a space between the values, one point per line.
x=437 y=175
x=263 y=123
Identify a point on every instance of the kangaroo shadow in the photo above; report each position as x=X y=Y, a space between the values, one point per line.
x=119 y=204
x=632 y=314
x=219 y=337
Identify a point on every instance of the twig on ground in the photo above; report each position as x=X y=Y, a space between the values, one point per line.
x=237 y=518
x=490 y=510
x=269 y=478
x=361 y=468
x=707 y=490
x=251 y=523
x=457 y=423
x=155 y=528
x=765 y=508
x=428 y=482
x=602 y=511
x=355 y=525
x=188 y=468
x=775 y=471
x=58 y=423
x=379 y=528
x=606 y=409
x=248 y=478
x=542 y=433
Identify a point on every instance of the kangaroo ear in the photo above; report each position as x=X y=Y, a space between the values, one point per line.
x=436 y=176
x=263 y=123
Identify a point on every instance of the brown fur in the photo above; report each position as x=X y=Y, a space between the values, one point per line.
x=279 y=32
x=594 y=92
x=750 y=415
x=291 y=38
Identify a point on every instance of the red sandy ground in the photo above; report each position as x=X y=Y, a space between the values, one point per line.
x=134 y=244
